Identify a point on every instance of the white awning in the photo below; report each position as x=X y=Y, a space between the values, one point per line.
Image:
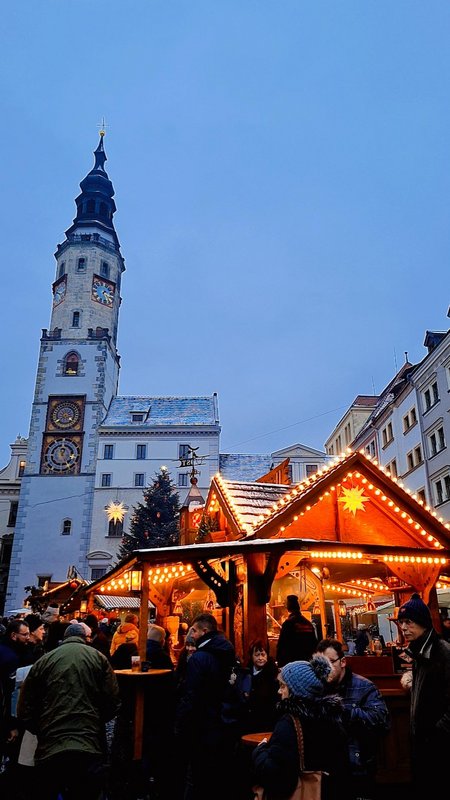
x=109 y=602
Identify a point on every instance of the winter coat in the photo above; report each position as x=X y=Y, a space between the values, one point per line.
x=276 y=764
x=127 y=633
x=261 y=707
x=66 y=699
x=157 y=656
x=199 y=712
x=430 y=705
x=297 y=640
x=365 y=717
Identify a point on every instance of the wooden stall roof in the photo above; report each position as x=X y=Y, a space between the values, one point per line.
x=350 y=501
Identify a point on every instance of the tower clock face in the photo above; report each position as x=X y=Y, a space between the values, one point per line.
x=102 y=291
x=66 y=415
x=59 y=291
x=62 y=455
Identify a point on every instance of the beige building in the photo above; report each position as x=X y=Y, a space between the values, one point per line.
x=10 y=480
x=350 y=424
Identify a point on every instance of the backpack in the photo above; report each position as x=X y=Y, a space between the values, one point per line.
x=237 y=692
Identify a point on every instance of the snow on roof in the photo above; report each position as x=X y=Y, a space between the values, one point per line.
x=161 y=411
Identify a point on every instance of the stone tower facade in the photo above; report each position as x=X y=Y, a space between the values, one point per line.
x=77 y=377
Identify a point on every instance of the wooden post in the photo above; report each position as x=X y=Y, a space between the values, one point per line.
x=143 y=614
x=255 y=617
x=337 y=620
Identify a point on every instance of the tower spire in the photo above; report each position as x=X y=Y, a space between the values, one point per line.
x=95 y=204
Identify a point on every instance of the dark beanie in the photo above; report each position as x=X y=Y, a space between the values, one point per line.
x=416 y=610
x=34 y=621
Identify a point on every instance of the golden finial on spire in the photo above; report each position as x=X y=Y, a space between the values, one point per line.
x=102 y=127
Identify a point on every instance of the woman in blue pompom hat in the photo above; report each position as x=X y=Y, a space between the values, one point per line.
x=302 y=686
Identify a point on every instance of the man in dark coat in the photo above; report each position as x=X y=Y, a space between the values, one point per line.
x=199 y=714
x=366 y=717
x=297 y=640
x=13 y=648
x=430 y=698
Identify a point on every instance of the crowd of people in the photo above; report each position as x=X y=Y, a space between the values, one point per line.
x=67 y=724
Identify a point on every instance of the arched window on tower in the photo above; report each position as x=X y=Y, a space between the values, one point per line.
x=103 y=210
x=66 y=527
x=76 y=319
x=90 y=206
x=61 y=269
x=71 y=364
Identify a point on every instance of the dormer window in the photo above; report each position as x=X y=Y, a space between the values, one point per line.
x=137 y=417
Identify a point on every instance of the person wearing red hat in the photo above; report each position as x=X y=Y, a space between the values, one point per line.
x=430 y=697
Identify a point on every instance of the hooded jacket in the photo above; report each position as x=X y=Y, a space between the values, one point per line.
x=66 y=699
x=199 y=713
x=127 y=633
x=276 y=764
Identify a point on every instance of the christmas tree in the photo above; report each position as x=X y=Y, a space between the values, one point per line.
x=155 y=522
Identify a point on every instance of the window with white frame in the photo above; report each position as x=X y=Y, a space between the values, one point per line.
x=414 y=458
x=441 y=488
x=108 y=452
x=311 y=469
x=436 y=441
x=139 y=479
x=387 y=434
x=410 y=419
x=421 y=495
x=183 y=452
x=141 y=452
x=392 y=467
x=106 y=479
x=347 y=433
x=137 y=417
x=430 y=396
x=183 y=479
x=66 y=527
x=97 y=573
x=370 y=448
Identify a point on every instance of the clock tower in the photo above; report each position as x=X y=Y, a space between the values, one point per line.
x=77 y=377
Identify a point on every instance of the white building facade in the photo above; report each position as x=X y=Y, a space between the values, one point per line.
x=409 y=429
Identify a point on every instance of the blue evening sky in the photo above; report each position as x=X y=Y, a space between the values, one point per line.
x=282 y=178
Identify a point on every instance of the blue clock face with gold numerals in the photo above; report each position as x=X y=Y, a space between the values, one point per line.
x=102 y=291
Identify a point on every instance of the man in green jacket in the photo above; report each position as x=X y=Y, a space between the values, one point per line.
x=66 y=700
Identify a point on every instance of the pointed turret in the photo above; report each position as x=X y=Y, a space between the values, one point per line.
x=95 y=204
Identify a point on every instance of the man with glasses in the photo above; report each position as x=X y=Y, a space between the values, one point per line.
x=13 y=648
x=366 y=718
x=430 y=697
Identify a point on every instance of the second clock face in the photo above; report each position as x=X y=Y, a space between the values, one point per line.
x=59 y=291
x=62 y=455
x=102 y=291
x=66 y=415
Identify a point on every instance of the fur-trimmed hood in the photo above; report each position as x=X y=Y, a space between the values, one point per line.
x=312 y=708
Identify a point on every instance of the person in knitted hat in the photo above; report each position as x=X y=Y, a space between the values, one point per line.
x=430 y=696
x=302 y=689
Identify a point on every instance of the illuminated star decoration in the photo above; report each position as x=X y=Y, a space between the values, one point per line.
x=353 y=499
x=115 y=511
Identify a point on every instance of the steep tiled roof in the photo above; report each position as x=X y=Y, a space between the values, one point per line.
x=161 y=411
x=243 y=467
x=248 y=500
